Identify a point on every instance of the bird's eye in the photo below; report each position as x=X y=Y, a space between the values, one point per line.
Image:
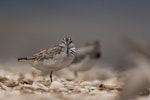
x=70 y=42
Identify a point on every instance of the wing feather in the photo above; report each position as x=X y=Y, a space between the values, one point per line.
x=45 y=54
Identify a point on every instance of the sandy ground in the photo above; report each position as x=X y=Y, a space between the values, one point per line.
x=20 y=81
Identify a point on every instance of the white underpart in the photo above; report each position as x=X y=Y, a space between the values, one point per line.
x=84 y=65
x=58 y=62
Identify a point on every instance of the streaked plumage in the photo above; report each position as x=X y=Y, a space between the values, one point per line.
x=86 y=57
x=53 y=59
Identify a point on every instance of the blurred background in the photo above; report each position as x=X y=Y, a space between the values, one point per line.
x=27 y=27
x=122 y=27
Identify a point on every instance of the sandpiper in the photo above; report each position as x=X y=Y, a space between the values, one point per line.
x=54 y=58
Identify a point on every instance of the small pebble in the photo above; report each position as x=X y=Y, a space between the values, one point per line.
x=94 y=92
x=92 y=88
x=26 y=82
x=83 y=90
x=85 y=83
x=69 y=85
x=3 y=87
x=56 y=85
x=39 y=86
x=96 y=83
x=63 y=89
x=11 y=83
x=46 y=83
x=2 y=78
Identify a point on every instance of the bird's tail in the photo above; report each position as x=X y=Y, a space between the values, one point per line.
x=22 y=59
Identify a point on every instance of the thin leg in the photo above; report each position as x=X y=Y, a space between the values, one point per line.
x=51 y=76
x=76 y=74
